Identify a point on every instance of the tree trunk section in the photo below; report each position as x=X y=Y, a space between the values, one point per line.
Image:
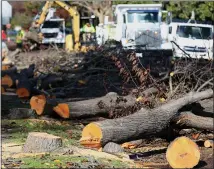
x=139 y=124
x=11 y=101
x=38 y=142
x=183 y=153
x=189 y=119
x=92 y=107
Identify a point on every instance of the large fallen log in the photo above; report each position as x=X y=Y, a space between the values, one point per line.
x=85 y=108
x=139 y=124
x=188 y=119
x=92 y=107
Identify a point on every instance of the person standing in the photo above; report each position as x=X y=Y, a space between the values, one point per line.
x=20 y=37
x=87 y=30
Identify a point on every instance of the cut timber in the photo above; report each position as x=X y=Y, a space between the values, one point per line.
x=3 y=89
x=28 y=72
x=37 y=103
x=41 y=142
x=183 y=153
x=9 y=79
x=5 y=67
x=50 y=80
x=12 y=70
x=21 y=113
x=208 y=143
x=25 y=87
x=139 y=124
x=188 y=119
x=42 y=105
x=10 y=101
x=101 y=105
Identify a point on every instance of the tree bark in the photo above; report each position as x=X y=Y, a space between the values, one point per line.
x=188 y=119
x=96 y=106
x=139 y=124
x=11 y=101
x=41 y=142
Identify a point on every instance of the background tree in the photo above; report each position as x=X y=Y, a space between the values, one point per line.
x=98 y=8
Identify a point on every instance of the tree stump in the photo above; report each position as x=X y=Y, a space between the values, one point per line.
x=183 y=153
x=38 y=142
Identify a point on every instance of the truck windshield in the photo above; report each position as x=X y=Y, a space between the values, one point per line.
x=51 y=24
x=194 y=32
x=142 y=16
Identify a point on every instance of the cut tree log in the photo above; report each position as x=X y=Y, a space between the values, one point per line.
x=21 y=113
x=10 y=79
x=10 y=101
x=140 y=124
x=188 y=119
x=12 y=70
x=208 y=143
x=42 y=105
x=92 y=107
x=183 y=153
x=25 y=87
x=38 y=142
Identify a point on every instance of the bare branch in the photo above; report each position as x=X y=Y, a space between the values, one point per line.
x=206 y=83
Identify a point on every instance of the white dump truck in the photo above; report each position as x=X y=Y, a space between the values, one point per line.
x=138 y=27
x=191 y=40
x=135 y=25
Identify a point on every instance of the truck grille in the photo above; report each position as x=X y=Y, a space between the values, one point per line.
x=148 y=38
x=195 y=49
x=50 y=35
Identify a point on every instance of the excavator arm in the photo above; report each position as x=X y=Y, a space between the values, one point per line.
x=73 y=13
x=75 y=21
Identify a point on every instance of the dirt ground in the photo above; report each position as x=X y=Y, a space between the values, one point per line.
x=14 y=134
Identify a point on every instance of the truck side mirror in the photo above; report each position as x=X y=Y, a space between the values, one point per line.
x=124 y=18
x=169 y=18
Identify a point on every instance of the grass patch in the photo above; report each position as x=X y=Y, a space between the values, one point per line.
x=19 y=129
x=48 y=161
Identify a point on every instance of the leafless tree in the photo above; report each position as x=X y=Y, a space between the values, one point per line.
x=98 y=8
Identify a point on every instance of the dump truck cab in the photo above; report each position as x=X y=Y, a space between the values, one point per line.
x=139 y=25
x=196 y=40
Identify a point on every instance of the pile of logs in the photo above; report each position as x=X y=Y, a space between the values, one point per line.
x=145 y=105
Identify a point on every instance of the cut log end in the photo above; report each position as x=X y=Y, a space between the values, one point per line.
x=62 y=110
x=91 y=136
x=5 y=67
x=208 y=143
x=7 y=80
x=183 y=153
x=23 y=93
x=2 y=90
x=37 y=103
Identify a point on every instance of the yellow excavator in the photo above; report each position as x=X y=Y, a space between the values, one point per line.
x=70 y=45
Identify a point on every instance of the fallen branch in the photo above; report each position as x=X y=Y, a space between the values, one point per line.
x=188 y=119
